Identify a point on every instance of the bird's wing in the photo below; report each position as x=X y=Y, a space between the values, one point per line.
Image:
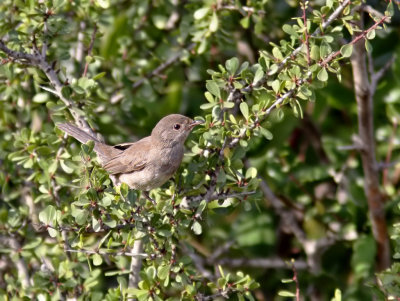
x=132 y=157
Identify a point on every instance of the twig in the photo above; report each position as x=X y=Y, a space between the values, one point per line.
x=223 y=293
x=262 y=263
x=157 y=71
x=199 y=262
x=389 y=155
x=22 y=267
x=354 y=41
x=243 y=10
x=119 y=253
x=296 y=280
x=37 y=59
x=210 y=195
x=376 y=76
x=306 y=42
x=90 y=49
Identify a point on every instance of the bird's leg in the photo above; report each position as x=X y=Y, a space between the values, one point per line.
x=146 y=195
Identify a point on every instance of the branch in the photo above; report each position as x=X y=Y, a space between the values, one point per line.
x=90 y=49
x=120 y=253
x=364 y=97
x=136 y=264
x=157 y=71
x=296 y=280
x=20 y=264
x=355 y=40
x=262 y=263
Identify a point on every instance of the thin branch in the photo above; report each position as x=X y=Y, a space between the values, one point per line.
x=306 y=40
x=136 y=264
x=20 y=264
x=385 y=180
x=119 y=253
x=262 y=263
x=210 y=195
x=296 y=280
x=37 y=59
x=222 y=293
x=243 y=10
x=157 y=71
x=363 y=35
x=377 y=76
x=90 y=49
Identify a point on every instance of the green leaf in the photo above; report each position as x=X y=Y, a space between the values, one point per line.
x=251 y=173
x=286 y=294
x=213 y=88
x=259 y=75
x=207 y=106
x=245 y=22
x=65 y=167
x=314 y=52
x=232 y=65
x=214 y=22
x=41 y=97
x=322 y=75
x=201 y=13
x=151 y=272
x=244 y=109
x=196 y=227
x=209 y=97
x=368 y=46
x=97 y=260
x=276 y=86
x=277 y=53
x=98 y=76
x=371 y=34
x=163 y=271
x=48 y=215
x=266 y=133
x=228 y=105
x=346 y=50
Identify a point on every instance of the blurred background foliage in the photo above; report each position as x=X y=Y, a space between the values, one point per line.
x=125 y=65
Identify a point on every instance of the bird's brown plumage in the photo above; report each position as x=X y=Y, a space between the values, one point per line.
x=147 y=163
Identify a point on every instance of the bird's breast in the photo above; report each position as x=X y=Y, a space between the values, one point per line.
x=160 y=167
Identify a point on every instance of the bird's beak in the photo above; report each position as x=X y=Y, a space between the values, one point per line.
x=194 y=123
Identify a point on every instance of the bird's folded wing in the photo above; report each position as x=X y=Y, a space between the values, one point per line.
x=133 y=158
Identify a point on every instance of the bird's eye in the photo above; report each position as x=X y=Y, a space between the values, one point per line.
x=177 y=126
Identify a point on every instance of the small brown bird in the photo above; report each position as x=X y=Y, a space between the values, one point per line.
x=147 y=163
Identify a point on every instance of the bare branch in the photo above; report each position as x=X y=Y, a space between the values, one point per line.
x=157 y=71
x=120 y=253
x=136 y=264
x=262 y=263
x=90 y=49
x=374 y=197
x=20 y=264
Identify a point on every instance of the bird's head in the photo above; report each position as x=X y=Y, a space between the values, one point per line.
x=173 y=129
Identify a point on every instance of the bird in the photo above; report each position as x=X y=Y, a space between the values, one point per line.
x=147 y=163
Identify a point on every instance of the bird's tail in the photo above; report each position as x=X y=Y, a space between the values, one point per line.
x=77 y=133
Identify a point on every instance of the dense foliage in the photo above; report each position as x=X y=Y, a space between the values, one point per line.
x=274 y=197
